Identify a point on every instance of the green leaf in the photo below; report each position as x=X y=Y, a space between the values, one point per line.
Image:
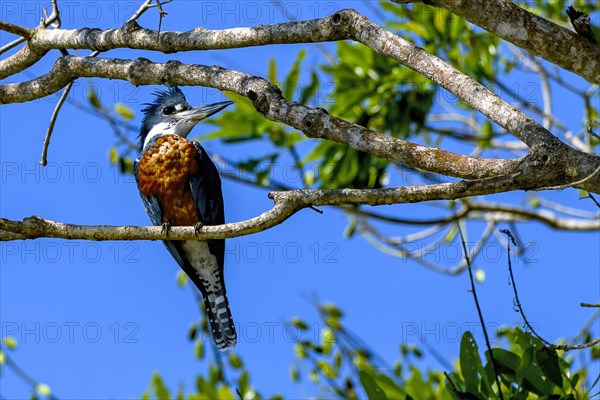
x=113 y=155
x=469 y=361
x=294 y=374
x=451 y=234
x=535 y=202
x=328 y=339
x=547 y=359
x=225 y=393
x=332 y=311
x=350 y=229
x=10 y=342
x=595 y=352
x=298 y=323
x=337 y=360
x=244 y=383
x=291 y=82
x=193 y=331
x=327 y=370
x=479 y=275
x=93 y=99
x=235 y=361
x=162 y=393
x=124 y=111
x=272 y=74
x=199 y=349
x=530 y=376
x=182 y=278
x=43 y=389
x=486 y=135
x=387 y=384
x=373 y=391
x=506 y=361
x=311 y=89
x=180 y=393
x=300 y=351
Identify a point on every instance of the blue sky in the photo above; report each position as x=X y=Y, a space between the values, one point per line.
x=95 y=319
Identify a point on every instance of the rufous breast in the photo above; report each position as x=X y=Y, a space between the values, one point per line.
x=164 y=172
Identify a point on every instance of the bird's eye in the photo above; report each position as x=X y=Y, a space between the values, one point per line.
x=168 y=110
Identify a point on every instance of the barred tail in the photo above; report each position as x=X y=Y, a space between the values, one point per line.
x=221 y=321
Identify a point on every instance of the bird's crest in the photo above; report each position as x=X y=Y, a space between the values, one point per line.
x=171 y=96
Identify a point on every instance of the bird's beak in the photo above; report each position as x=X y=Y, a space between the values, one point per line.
x=199 y=113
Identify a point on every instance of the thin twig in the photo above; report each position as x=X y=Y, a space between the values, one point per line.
x=315 y=209
x=517 y=302
x=591 y=132
x=479 y=313
x=589 y=305
x=593 y=199
x=61 y=101
x=145 y=7
x=161 y=14
x=54 y=17
x=9 y=362
x=567 y=347
x=572 y=184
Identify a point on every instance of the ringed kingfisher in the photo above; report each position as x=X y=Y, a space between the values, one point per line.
x=180 y=186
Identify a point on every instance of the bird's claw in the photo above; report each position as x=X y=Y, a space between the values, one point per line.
x=166 y=227
x=197 y=228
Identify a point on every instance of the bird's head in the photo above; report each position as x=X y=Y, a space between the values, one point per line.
x=171 y=113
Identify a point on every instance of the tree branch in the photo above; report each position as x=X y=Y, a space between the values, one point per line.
x=21 y=60
x=148 y=4
x=561 y=164
x=519 y=306
x=267 y=99
x=53 y=118
x=26 y=33
x=342 y=25
x=508 y=212
x=286 y=204
x=537 y=35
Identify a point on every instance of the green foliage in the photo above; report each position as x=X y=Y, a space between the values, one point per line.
x=527 y=368
x=377 y=93
x=451 y=38
x=124 y=111
x=9 y=342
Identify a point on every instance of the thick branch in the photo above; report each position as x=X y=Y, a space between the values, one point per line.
x=537 y=35
x=21 y=60
x=286 y=204
x=53 y=19
x=267 y=99
x=345 y=24
x=562 y=164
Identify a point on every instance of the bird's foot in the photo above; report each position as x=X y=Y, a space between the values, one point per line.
x=197 y=228
x=166 y=227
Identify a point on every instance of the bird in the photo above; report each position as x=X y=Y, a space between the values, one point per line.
x=180 y=186
x=582 y=24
